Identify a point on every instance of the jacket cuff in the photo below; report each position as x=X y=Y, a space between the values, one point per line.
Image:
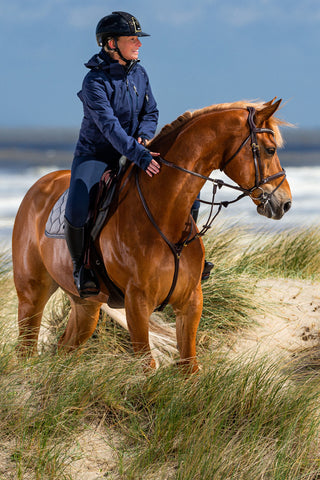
x=145 y=160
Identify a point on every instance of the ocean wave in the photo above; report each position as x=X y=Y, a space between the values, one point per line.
x=304 y=183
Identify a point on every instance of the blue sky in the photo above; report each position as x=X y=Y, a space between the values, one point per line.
x=200 y=52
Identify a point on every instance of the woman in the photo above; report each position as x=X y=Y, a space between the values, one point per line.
x=120 y=114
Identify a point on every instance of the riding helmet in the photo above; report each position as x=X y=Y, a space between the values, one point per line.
x=118 y=24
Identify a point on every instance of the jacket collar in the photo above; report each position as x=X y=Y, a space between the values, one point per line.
x=105 y=62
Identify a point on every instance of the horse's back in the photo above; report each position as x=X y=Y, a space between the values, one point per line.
x=46 y=190
x=38 y=201
x=32 y=215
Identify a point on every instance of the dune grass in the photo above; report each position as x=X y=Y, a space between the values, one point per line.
x=238 y=420
x=241 y=417
x=292 y=253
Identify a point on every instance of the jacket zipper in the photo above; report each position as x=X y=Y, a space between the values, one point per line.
x=130 y=97
x=130 y=103
x=132 y=64
x=137 y=95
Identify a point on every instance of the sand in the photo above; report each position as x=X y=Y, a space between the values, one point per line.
x=291 y=321
x=289 y=325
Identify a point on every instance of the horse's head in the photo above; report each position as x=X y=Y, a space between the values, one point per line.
x=254 y=163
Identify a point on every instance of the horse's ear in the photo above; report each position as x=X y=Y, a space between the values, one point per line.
x=267 y=112
x=266 y=104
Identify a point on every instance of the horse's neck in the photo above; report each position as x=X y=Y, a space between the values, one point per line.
x=172 y=193
x=202 y=145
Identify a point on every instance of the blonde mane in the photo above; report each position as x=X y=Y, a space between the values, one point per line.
x=186 y=117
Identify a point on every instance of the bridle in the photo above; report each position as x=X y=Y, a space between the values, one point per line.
x=260 y=180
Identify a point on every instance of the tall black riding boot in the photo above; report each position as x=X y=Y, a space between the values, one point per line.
x=208 y=266
x=195 y=214
x=85 y=279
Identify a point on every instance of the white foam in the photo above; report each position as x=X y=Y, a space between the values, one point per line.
x=304 y=183
x=305 y=211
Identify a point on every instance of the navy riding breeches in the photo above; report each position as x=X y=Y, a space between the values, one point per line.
x=196 y=204
x=86 y=173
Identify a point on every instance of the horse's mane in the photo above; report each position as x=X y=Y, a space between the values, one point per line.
x=273 y=122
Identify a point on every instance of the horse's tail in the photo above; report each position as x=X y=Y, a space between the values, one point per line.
x=162 y=337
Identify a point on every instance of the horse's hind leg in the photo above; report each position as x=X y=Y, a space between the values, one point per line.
x=34 y=288
x=187 y=320
x=82 y=323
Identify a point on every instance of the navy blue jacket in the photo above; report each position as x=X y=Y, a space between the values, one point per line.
x=118 y=107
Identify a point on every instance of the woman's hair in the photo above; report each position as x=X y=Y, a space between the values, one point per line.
x=105 y=39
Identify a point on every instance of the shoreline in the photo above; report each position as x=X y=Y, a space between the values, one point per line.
x=63 y=158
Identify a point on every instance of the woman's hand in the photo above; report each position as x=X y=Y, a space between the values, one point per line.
x=143 y=141
x=154 y=166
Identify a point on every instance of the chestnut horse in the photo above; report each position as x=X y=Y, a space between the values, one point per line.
x=133 y=248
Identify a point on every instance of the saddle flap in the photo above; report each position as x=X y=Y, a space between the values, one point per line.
x=97 y=215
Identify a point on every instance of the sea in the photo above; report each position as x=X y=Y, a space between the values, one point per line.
x=304 y=213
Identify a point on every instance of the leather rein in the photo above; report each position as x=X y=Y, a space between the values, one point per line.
x=260 y=180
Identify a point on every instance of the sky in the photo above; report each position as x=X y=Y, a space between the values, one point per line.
x=200 y=53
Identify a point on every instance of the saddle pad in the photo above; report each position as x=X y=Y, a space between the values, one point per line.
x=55 y=223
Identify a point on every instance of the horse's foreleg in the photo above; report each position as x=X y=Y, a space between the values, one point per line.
x=82 y=323
x=138 y=312
x=33 y=294
x=187 y=320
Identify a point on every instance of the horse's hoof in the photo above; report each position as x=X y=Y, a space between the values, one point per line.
x=188 y=367
x=149 y=366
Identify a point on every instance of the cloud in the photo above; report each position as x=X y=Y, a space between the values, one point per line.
x=181 y=13
x=19 y=11
x=286 y=12
x=237 y=14
x=64 y=11
x=82 y=17
x=81 y=14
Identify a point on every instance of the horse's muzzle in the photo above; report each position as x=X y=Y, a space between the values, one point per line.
x=273 y=208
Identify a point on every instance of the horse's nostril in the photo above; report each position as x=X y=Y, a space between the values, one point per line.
x=287 y=206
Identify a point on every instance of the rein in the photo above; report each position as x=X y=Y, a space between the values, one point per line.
x=259 y=180
x=264 y=197
x=176 y=248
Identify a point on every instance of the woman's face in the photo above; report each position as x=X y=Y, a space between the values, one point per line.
x=129 y=47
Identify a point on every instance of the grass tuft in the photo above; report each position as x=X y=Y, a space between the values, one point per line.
x=237 y=419
x=293 y=254
x=240 y=418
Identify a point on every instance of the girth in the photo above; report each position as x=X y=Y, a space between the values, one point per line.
x=176 y=248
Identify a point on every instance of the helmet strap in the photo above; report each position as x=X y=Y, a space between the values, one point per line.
x=118 y=51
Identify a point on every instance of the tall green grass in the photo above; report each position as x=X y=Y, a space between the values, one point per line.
x=238 y=419
x=241 y=417
x=292 y=253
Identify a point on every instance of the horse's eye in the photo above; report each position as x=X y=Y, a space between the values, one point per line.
x=271 y=150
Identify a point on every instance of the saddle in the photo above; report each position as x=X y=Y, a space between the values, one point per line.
x=105 y=205
x=97 y=215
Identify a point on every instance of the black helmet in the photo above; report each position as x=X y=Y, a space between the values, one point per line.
x=118 y=24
